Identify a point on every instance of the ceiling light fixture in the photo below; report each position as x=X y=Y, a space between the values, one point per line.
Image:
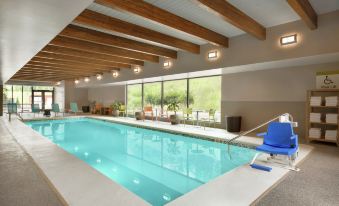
x=115 y=73
x=212 y=54
x=58 y=83
x=76 y=81
x=137 y=69
x=290 y=39
x=167 y=64
x=99 y=76
x=87 y=79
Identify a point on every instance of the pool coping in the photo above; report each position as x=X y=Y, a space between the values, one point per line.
x=198 y=196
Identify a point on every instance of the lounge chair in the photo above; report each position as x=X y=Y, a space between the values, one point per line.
x=74 y=108
x=12 y=108
x=278 y=140
x=210 y=118
x=122 y=110
x=36 y=109
x=187 y=115
x=56 y=109
x=148 y=111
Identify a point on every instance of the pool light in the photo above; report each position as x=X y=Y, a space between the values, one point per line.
x=290 y=39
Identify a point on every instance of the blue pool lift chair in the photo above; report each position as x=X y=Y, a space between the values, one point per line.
x=278 y=140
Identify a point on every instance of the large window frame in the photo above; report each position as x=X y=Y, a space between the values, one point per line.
x=187 y=103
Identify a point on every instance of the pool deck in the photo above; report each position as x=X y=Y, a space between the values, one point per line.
x=79 y=184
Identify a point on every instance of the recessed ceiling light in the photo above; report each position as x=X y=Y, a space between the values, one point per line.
x=76 y=81
x=213 y=54
x=115 y=73
x=290 y=39
x=87 y=79
x=137 y=69
x=99 y=76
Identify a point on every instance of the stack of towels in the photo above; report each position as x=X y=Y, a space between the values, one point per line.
x=331 y=135
x=315 y=117
x=314 y=133
x=331 y=101
x=332 y=118
x=315 y=101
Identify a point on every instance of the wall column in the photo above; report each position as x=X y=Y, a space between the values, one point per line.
x=1 y=99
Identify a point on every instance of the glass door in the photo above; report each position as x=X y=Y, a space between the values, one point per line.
x=45 y=99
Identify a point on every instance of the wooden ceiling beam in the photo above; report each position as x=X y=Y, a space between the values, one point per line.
x=58 y=67
x=97 y=20
x=48 y=70
x=85 y=34
x=81 y=60
x=164 y=17
x=235 y=17
x=70 y=64
x=103 y=49
x=306 y=12
x=90 y=55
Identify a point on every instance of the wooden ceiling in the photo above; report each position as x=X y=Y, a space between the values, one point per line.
x=79 y=52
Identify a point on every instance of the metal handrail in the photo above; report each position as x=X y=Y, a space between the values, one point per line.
x=255 y=128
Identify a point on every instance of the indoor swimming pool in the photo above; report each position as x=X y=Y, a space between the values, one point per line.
x=157 y=166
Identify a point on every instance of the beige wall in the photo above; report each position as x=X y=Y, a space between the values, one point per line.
x=246 y=50
x=260 y=95
x=107 y=95
x=73 y=94
x=1 y=100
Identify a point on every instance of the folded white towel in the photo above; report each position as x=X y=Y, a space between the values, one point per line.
x=332 y=118
x=331 y=135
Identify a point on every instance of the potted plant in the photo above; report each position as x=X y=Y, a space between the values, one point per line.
x=174 y=106
x=115 y=106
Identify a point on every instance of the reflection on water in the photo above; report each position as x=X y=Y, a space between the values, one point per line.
x=157 y=166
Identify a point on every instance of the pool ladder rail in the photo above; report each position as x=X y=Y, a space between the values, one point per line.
x=286 y=117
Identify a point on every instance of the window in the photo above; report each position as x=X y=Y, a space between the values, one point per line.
x=175 y=90
x=205 y=94
x=152 y=95
x=17 y=96
x=134 y=97
x=6 y=96
x=27 y=98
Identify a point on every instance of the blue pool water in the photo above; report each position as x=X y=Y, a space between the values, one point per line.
x=155 y=165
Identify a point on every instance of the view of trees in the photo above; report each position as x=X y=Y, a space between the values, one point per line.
x=204 y=94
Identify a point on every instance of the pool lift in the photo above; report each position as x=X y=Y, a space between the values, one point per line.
x=273 y=158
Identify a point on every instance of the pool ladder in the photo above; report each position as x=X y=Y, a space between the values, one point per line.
x=286 y=117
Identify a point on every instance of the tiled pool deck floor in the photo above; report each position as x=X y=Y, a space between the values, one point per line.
x=79 y=184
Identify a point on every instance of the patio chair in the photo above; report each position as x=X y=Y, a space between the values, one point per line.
x=209 y=119
x=163 y=114
x=56 y=109
x=278 y=140
x=74 y=108
x=188 y=115
x=122 y=110
x=12 y=108
x=148 y=111
x=36 y=109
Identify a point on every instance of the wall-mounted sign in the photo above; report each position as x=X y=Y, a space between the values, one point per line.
x=327 y=80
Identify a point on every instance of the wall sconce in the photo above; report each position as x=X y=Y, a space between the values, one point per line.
x=99 y=76
x=115 y=73
x=76 y=81
x=58 y=83
x=290 y=39
x=167 y=64
x=87 y=79
x=137 y=69
x=212 y=55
